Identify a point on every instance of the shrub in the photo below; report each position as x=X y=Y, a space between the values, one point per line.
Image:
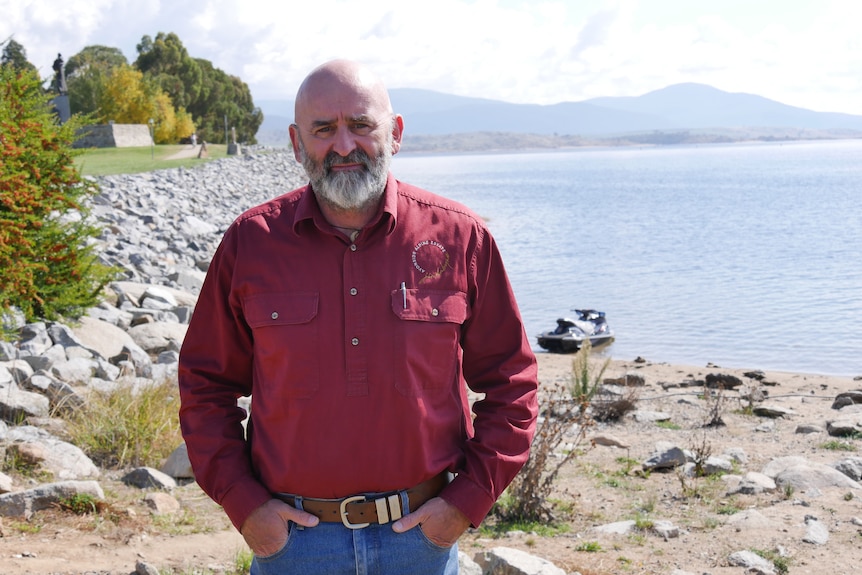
x=48 y=267
x=562 y=410
x=132 y=425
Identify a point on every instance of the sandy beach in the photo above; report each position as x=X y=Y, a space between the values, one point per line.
x=601 y=486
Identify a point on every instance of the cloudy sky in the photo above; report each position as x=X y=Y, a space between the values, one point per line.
x=805 y=53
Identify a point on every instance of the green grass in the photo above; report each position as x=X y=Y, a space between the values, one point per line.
x=108 y=161
x=837 y=445
x=128 y=426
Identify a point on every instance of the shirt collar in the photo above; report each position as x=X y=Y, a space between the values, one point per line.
x=307 y=208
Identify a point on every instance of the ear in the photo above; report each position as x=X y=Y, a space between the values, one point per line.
x=294 y=141
x=397 y=133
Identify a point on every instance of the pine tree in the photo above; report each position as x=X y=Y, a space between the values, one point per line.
x=48 y=265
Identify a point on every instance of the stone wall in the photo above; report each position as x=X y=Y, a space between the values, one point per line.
x=115 y=136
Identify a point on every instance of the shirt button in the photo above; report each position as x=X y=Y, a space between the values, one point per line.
x=353 y=247
x=434 y=312
x=274 y=315
x=354 y=291
x=355 y=341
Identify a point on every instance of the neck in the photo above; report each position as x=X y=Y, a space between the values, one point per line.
x=347 y=220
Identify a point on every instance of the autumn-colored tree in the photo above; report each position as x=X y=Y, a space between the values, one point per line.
x=48 y=267
x=86 y=74
x=211 y=96
x=128 y=97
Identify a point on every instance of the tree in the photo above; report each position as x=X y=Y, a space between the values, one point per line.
x=223 y=97
x=209 y=94
x=48 y=267
x=15 y=55
x=86 y=74
x=169 y=64
x=129 y=97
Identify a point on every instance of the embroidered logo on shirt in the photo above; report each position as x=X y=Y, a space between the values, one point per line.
x=431 y=259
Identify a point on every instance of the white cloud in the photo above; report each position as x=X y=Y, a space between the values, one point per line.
x=544 y=51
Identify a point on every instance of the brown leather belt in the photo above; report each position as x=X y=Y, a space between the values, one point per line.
x=361 y=511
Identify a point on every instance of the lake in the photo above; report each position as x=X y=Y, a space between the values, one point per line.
x=743 y=255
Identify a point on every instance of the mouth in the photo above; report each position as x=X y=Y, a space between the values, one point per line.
x=346 y=167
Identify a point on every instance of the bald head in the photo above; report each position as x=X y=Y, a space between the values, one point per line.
x=344 y=135
x=343 y=80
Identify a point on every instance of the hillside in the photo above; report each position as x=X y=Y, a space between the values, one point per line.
x=682 y=113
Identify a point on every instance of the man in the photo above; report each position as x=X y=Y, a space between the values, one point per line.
x=353 y=311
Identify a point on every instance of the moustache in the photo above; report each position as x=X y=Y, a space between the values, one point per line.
x=354 y=157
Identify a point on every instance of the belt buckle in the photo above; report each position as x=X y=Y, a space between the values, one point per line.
x=343 y=510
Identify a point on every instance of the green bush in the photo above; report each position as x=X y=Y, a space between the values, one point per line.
x=48 y=267
x=132 y=425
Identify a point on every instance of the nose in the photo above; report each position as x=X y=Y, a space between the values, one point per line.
x=344 y=142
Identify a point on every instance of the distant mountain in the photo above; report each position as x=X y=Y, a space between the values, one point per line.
x=675 y=108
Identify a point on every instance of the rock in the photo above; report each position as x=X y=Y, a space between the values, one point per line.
x=103 y=338
x=143 y=568
x=507 y=561
x=178 y=465
x=62 y=459
x=17 y=405
x=666 y=456
x=651 y=416
x=25 y=503
x=754 y=483
x=816 y=533
x=722 y=381
x=609 y=441
x=157 y=337
x=617 y=528
x=814 y=476
x=851 y=467
x=147 y=477
x=773 y=411
x=750 y=519
x=751 y=561
x=845 y=427
x=466 y=566
x=847 y=398
x=665 y=529
x=162 y=503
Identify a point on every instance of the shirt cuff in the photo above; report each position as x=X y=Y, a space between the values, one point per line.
x=470 y=499
x=242 y=499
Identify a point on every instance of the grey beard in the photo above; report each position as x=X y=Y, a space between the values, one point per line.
x=348 y=191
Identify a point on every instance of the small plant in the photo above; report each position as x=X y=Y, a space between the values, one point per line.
x=562 y=410
x=628 y=464
x=643 y=523
x=837 y=445
x=780 y=562
x=702 y=450
x=716 y=402
x=80 y=504
x=668 y=425
x=789 y=490
x=589 y=547
x=848 y=496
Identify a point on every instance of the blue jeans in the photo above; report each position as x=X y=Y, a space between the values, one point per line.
x=333 y=549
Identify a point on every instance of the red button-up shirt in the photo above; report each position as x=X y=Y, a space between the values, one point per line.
x=355 y=353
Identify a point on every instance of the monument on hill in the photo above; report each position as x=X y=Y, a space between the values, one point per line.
x=233 y=147
x=61 y=100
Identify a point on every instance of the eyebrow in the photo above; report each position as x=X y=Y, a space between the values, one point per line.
x=360 y=118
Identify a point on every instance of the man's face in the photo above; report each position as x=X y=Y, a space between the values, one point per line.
x=345 y=135
x=352 y=182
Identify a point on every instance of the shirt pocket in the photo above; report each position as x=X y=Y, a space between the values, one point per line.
x=426 y=339
x=286 y=343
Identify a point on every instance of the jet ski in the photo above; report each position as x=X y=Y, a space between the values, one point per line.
x=570 y=333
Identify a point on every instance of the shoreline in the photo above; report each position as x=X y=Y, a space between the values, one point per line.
x=556 y=368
